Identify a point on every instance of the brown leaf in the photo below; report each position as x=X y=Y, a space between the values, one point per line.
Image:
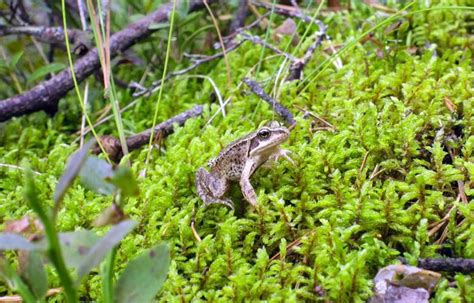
x=27 y=226
x=377 y=6
x=110 y=216
x=18 y=226
x=9 y=299
x=450 y=105
x=287 y=28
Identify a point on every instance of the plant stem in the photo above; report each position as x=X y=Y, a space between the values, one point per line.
x=54 y=249
x=107 y=277
x=8 y=274
x=56 y=257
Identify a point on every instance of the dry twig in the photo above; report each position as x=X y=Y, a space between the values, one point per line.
x=277 y=107
x=142 y=91
x=46 y=95
x=112 y=144
x=52 y=35
x=296 y=69
x=458 y=265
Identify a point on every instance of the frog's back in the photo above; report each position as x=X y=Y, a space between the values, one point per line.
x=231 y=160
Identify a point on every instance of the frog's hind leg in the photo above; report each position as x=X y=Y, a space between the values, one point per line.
x=211 y=189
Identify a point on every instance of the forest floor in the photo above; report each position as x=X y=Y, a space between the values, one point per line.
x=383 y=147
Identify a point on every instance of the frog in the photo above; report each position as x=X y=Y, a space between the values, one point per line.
x=238 y=161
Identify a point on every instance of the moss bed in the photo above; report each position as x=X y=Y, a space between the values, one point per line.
x=357 y=199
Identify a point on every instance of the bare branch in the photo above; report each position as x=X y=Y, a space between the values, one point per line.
x=296 y=69
x=112 y=145
x=46 y=95
x=197 y=59
x=258 y=40
x=53 y=35
x=284 y=10
x=458 y=265
x=240 y=16
x=277 y=107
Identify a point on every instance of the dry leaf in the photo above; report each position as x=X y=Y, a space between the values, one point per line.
x=287 y=28
x=450 y=105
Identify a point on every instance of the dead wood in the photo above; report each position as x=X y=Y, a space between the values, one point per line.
x=52 y=35
x=296 y=68
x=457 y=265
x=239 y=16
x=112 y=145
x=46 y=95
x=197 y=60
x=276 y=106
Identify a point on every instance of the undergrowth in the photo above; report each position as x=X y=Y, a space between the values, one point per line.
x=357 y=199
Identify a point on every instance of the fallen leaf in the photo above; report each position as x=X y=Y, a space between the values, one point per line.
x=450 y=105
x=287 y=28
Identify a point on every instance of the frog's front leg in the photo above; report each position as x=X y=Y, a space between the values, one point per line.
x=245 y=186
x=211 y=189
x=280 y=153
x=283 y=153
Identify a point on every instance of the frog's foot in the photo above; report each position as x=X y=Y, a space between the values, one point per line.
x=281 y=153
x=226 y=202
x=211 y=189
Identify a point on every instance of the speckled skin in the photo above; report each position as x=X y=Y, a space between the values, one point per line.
x=238 y=161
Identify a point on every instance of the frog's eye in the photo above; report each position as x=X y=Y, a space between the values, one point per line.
x=263 y=133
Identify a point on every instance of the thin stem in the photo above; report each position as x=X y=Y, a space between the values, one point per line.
x=76 y=84
x=54 y=249
x=267 y=33
x=107 y=277
x=224 y=51
x=160 y=93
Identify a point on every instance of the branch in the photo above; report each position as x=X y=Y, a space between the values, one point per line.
x=258 y=40
x=240 y=16
x=230 y=38
x=295 y=12
x=200 y=60
x=53 y=35
x=46 y=95
x=447 y=264
x=296 y=68
x=284 y=10
x=112 y=145
x=277 y=107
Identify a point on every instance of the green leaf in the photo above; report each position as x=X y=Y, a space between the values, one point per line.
x=31 y=269
x=124 y=179
x=150 y=266
x=182 y=9
x=15 y=59
x=13 y=280
x=76 y=245
x=10 y=241
x=73 y=167
x=94 y=173
x=31 y=195
x=157 y=26
x=45 y=70
x=101 y=177
x=104 y=245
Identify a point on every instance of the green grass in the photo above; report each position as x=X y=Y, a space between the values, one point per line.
x=350 y=224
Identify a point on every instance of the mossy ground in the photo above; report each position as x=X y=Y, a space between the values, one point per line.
x=357 y=199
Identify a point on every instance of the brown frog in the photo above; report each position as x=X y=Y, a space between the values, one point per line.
x=238 y=161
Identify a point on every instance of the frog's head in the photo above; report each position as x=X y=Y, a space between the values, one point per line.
x=266 y=138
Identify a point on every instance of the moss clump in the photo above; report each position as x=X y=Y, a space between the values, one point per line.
x=356 y=200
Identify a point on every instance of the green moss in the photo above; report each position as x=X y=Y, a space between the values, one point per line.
x=350 y=219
